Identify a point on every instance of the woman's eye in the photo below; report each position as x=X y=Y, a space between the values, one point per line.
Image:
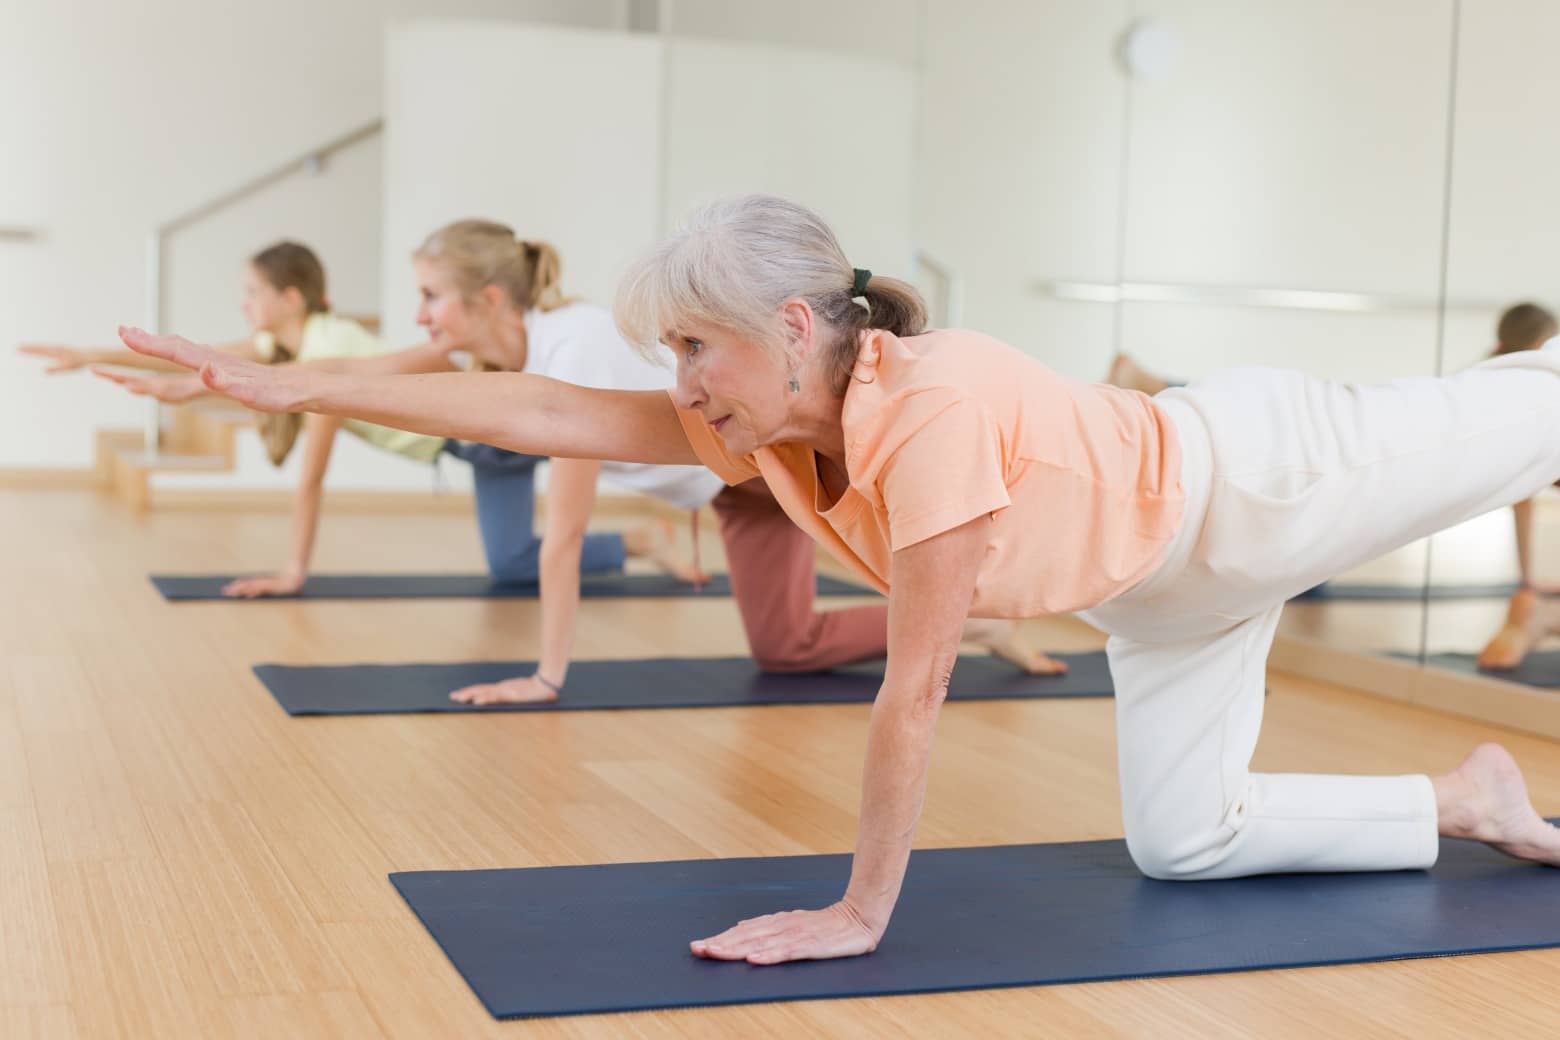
x=692 y=346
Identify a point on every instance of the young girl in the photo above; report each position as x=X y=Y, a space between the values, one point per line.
x=489 y=293
x=964 y=477
x=286 y=305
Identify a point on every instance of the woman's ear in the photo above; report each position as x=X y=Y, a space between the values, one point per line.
x=797 y=319
x=493 y=298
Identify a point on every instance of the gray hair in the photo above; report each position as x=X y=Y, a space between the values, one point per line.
x=735 y=262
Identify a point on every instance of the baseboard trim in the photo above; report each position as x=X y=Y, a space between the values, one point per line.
x=49 y=479
x=456 y=502
x=1480 y=698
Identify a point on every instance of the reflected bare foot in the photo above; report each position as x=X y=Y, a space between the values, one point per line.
x=1529 y=618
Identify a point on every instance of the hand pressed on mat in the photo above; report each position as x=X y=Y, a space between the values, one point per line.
x=523 y=690
x=795 y=935
x=284 y=584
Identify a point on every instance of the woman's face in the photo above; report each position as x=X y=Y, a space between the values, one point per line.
x=740 y=387
x=476 y=325
x=266 y=308
x=441 y=309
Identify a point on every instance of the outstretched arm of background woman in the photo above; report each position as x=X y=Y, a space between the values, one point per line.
x=530 y=414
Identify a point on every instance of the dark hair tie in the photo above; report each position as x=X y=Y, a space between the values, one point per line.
x=858 y=287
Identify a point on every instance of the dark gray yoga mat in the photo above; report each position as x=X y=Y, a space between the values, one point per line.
x=184 y=587
x=661 y=682
x=579 y=940
x=1537 y=669
x=1333 y=590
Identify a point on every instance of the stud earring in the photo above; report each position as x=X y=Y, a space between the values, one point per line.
x=794 y=386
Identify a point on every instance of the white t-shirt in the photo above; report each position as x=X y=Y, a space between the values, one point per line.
x=579 y=343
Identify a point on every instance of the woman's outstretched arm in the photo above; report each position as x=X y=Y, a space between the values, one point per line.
x=62 y=358
x=530 y=414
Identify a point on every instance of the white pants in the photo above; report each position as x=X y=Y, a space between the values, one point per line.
x=1291 y=480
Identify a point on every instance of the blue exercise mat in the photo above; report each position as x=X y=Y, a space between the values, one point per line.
x=581 y=940
x=1537 y=669
x=185 y=587
x=661 y=682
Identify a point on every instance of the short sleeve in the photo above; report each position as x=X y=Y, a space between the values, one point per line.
x=329 y=336
x=707 y=445
x=932 y=459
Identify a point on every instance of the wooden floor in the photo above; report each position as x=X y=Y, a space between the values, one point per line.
x=179 y=858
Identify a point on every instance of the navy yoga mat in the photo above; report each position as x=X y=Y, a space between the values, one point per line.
x=662 y=682
x=577 y=940
x=1333 y=590
x=1537 y=669
x=181 y=587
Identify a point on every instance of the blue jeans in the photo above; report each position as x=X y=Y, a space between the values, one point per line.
x=506 y=501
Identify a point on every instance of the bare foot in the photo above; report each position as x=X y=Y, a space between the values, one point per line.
x=525 y=690
x=1000 y=638
x=1485 y=799
x=1529 y=618
x=1128 y=374
x=657 y=542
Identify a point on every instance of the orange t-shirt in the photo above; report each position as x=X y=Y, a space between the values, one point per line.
x=1083 y=481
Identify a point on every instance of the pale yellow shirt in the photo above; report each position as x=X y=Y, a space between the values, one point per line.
x=329 y=336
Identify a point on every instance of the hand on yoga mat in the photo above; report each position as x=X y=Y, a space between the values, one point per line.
x=796 y=935
x=285 y=584
x=526 y=690
x=265 y=388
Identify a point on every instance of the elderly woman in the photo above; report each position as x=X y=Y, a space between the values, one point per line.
x=963 y=477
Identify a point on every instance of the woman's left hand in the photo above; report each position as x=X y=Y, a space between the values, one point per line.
x=796 y=935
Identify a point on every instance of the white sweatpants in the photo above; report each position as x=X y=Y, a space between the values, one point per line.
x=1291 y=480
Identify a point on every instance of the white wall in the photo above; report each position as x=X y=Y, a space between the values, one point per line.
x=791 y=121
x=555 y=132
x=1018 y=176
x=118 y=116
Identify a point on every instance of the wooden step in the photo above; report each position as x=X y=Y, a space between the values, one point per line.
x=132 y=465
x=206 y=428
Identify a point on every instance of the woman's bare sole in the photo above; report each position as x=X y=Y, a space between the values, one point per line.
x=1000 y=638
x=657 y=543
x=1485 y=799
x=1529 y=618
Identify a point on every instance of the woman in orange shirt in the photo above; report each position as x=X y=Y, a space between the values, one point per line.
x=965 y=478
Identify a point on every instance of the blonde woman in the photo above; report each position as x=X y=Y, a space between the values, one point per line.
x=964 y=477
